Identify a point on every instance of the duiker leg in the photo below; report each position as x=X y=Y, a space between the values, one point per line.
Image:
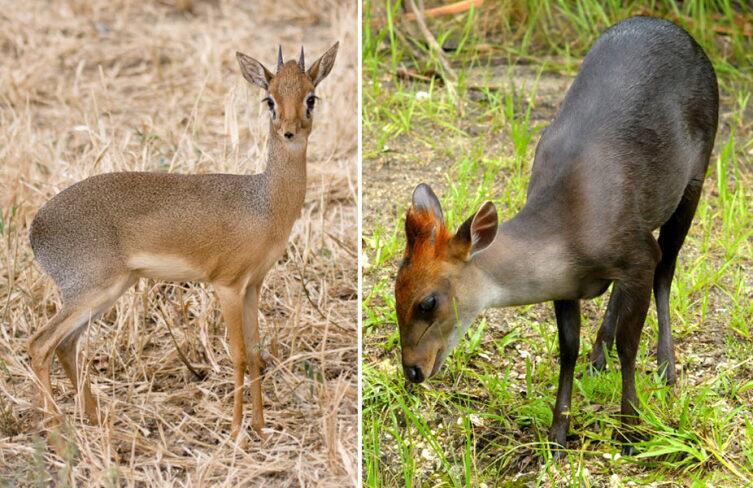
x=636 y=297
x=605 y=337
x=253 y=353
x=231 y=300
x=671 y=238
x=568 y=328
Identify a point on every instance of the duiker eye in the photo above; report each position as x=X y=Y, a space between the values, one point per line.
x=428 y=304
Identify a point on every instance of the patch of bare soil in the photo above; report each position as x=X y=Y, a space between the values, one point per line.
x=390 y=176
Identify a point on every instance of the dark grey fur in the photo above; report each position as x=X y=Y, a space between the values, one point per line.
x=626 y=154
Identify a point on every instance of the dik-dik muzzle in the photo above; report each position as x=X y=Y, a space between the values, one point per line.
x=290 y=91
x=433 y=308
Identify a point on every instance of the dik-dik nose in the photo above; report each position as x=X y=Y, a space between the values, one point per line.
x=288 y=129
x=413 y=374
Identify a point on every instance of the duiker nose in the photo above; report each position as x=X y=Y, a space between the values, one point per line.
x=413 y=374
x=288 y=135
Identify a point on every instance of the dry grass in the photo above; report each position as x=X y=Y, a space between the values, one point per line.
x=88 y=87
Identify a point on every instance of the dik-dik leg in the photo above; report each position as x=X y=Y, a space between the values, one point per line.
x=568 y=329
x=67 y=353
x=41 y=345
x=253 y=354
x=671 y=238
x=231 y=300
x=61 y=335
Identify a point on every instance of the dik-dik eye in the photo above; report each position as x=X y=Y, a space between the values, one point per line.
x=270 y=104
x=428 y=304
x=310 y=103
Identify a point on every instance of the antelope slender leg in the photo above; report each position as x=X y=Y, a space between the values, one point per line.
x=65 y=327
x=605 y=337
x=253 y=353
x=231 y=300
x=67 y=353
x=671 y=237
x=568 y=328
x=636 y=291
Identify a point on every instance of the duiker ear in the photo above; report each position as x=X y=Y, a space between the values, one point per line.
x=322 y=66
x=477 y=232
x=484 y=227
x=424 y=217
x=253 y=71
x=425 y=199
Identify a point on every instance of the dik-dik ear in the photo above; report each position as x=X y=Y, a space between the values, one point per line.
x=322 y=66
x=253 y=71
x=476 y=233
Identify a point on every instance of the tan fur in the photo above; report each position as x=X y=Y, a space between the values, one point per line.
x=96 y=238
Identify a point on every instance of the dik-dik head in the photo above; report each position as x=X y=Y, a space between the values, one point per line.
x=289 y=91
x=437 y=289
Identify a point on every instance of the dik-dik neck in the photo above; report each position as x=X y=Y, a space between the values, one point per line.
x=528 y=262
x=285 y=175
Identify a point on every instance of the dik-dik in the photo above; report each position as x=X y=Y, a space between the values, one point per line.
x=626 y=154
x=96 y=238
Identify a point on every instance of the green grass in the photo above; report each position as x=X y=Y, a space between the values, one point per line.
x=484 y=419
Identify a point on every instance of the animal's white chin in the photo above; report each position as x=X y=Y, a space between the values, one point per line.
x=296 y=144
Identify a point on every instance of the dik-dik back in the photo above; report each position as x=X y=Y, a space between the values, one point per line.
x=121 y=221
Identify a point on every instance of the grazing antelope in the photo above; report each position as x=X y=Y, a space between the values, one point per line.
x=626 y=154
x=96 y=238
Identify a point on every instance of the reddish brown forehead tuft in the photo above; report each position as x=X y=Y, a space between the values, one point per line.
x=427 y=237
x=426 y=247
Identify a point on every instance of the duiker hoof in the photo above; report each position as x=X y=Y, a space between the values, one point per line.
x=598 y=364
x=668 y=374
x=628 y=450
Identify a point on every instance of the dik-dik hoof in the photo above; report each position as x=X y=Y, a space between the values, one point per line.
x=93 y=419
x=265 y=360
x=58 y=443
x=263 y=436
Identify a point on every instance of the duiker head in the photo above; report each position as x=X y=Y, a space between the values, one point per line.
x=290 y=91
x=435 y=296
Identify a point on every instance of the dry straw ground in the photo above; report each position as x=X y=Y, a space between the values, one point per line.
x=88 y=87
